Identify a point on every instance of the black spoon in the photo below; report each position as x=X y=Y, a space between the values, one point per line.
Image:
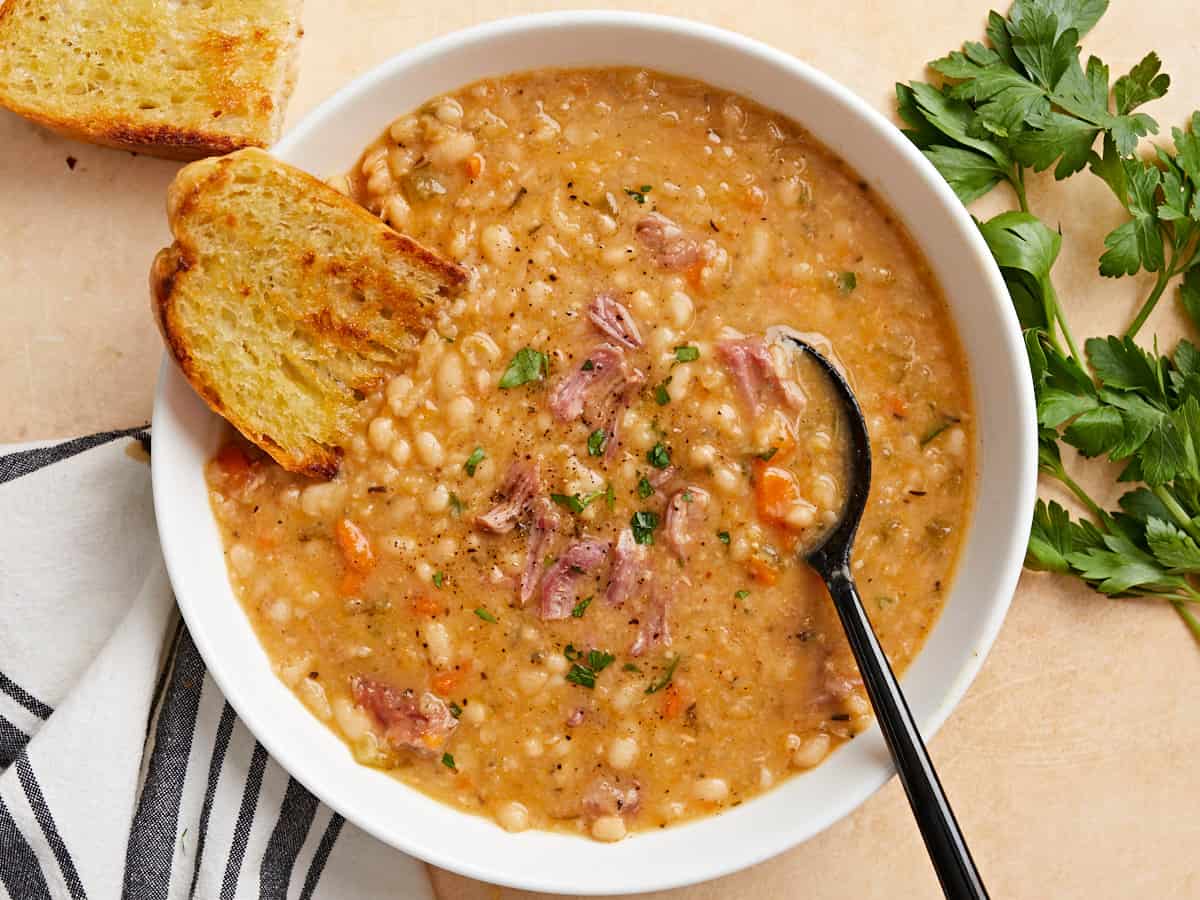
x=831 y=559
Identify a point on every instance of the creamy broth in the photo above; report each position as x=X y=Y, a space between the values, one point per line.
x=556 y=581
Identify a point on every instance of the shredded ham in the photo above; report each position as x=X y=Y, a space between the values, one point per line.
x=545 y=525
x=753 y=369
x=520 y=484
x=685 y=508
x=614 y=320
x=408 y=723
x=558 y=587
x=670 y=247
x=598 y=391
x=605 y=797
x=653 y=630
x=606 y=371
x=628 y=569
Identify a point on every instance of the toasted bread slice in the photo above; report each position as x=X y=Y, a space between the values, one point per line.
x=283 y=302
x=176 y=79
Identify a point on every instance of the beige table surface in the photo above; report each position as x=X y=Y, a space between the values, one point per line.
x=1071 y=761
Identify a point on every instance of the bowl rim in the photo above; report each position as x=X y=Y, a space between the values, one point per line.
x=1010 y=555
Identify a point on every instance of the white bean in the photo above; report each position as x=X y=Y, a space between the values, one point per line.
x=513 y=817
x=437 y=644
x=711 y=790
x=429 y=450
x=808 y=752
x=622 y=752
x=608 y=828
x=401 y=452
x=436 y=500
x=498 y=244
x=381 y=433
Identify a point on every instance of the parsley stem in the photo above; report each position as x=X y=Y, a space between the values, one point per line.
x=1178 y=512
x=1018 y=185
x=1093 y=507
x=1061 y=317
x=1160 y=284
x=1188 y=619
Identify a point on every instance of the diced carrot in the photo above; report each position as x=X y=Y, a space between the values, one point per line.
x=352 y=582
x=762 y=571
x=672 y=702
x=695 y=275
x=897 y=405
x=233 y=461
x=474 y=165
x=425 y=605
x=775 y=492
x=444 y=683
x=355 y=546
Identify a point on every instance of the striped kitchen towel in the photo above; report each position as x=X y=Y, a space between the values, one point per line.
x=123 y=771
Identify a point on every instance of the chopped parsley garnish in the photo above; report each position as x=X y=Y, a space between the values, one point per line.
x=937 y=429
x=659 y=456
x=577 y=503
x=643 y=522
x=723 y=537
x=630 y=667
x=474 y=460
x=644 y=488
x=610 y=496
x=456 y=505
x=767 y=454
x=587 y=366
x=586 y=666
x=687 y=353
x=581 y=607
x=742 y=594
x=528 y=365
x=665 y=678
x=687 y=496
x=439 y=578
x=661 y=397
x=846 y=282
x=455 y=709
x=596 y=442
x=448 y=762
x=486 y=616
x=639 y=195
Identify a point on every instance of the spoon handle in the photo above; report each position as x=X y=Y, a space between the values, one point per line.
x=943 y=839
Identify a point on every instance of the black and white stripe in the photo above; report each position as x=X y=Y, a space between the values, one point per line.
x=213 y=815
x=26 y=462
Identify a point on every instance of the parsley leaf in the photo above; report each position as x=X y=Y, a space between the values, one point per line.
x=847 y=282
x=661 y=397
x=644 y=487
x=577 y=503
x=473 y=461
x=448 y=762
x=528 y=365
x=686 y=354
x=639 y=195
x=723 y=537
x=596 y=442
x=586 y=666
x=581 y=607
x=439 y=578
x=665 y=679
x=659 y=456
x=643 y=523
x=486 y=616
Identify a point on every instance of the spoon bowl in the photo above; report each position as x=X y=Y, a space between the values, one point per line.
x=829 y=555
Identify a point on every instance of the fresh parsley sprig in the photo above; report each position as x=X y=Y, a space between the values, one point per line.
x=1026 y=100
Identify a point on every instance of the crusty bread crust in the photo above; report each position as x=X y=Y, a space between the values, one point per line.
x=120 y=124
x=179 y=269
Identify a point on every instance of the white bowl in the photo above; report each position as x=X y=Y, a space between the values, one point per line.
x=186 y=433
